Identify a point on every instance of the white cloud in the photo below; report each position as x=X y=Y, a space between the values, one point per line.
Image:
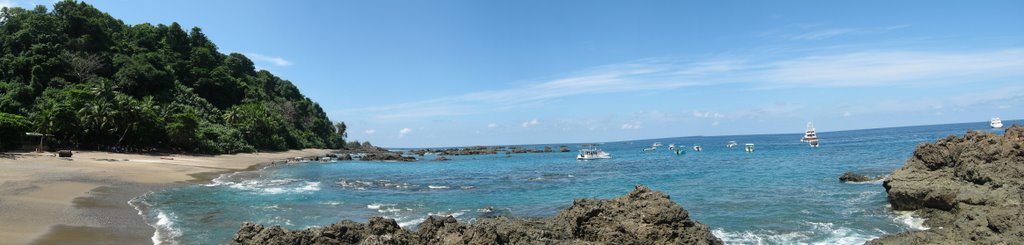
x=492 y=125
x=277 y=61
x=633 y=125
x=404 y=131
x=370 y=131
x=530 y=123
x=877 y=68
x=707 y=114
x=6 y=4
x=835 y=32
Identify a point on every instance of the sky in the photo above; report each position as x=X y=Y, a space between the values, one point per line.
x=460 y=73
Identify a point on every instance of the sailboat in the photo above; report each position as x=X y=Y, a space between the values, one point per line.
x=810 y=136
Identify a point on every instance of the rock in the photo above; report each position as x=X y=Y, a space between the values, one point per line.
x=970 y=189
x=854 y=177
x=641 y=217
x=345 y=157
x=441 y=158
x=387 y=156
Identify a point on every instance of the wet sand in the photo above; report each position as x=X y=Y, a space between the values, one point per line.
x=49 y=200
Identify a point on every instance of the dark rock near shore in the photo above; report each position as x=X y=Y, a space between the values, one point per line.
x=387 y=156
x=441 y=158
x=969 y=188
x=344 y=157
x=641 y=217
x=855 y=177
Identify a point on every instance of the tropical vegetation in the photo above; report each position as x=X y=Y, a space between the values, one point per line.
x=93 y=82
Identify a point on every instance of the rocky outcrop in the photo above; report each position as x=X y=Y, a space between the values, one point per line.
x=641 y=217
x=387 y=156
x=969 y=188
x=855 y=177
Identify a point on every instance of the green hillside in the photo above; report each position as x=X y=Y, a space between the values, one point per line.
x=94 y=82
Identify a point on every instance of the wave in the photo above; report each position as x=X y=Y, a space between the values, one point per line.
x=272 y=186
x=367 y=184
x=819 y=233
x=907 y=218
x=165 y=231
x=438 y=186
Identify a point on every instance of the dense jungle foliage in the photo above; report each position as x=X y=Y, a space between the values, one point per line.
x=93 y=82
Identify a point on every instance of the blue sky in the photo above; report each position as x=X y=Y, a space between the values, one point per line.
x=450 y=73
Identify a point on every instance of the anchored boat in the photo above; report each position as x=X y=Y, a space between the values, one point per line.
x=996 y=123
x=810 y=136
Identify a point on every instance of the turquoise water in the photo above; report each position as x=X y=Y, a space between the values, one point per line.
x=784 y=192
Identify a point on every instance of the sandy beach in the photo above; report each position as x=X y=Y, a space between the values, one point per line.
x=48 y=200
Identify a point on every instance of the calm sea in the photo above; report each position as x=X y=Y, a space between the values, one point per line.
x=784 y=192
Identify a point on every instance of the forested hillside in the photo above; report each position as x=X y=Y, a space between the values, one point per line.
x=93 y=82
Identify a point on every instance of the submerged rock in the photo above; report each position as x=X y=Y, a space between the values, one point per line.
x=970 y=190
x=854 y=177
x=641 y=217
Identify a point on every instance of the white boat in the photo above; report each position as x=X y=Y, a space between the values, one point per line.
x=732 y=144
x=996 y=123
x=592 y=152
x=697 y=148
x=656 y=144
x=810 y=136
x=748 y=147
x=671 y=147
x=650 y=149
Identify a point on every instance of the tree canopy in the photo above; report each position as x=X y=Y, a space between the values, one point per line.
x=92 y=81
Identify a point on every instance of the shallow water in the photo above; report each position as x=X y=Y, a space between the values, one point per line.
x=784 y=192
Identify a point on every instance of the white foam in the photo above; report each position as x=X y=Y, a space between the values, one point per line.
x=332 y=203
x=833 y=234
x=273 y=186
x=438 y=186
x=165 y=231
x=907 y=218
x=411 y=222
x=748 y=237
x=378 y=205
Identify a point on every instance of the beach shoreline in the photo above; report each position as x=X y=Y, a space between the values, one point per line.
x=84 y=200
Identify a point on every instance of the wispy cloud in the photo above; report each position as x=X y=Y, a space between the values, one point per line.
x=633 y=125
x=878 y=68
x=707 y=114
x=836 y=32
x=277 y=61
x=527 y=124
x=403 y=132
x=370 y=131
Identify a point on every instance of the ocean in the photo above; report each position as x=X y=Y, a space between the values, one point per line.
x=782 y=193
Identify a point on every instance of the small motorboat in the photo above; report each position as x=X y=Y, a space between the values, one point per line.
x=748 y=147
x=592 y=152
x=671 y=147
x=697 y=148
x=656 y=144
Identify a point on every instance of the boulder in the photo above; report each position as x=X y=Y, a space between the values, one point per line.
x=855 y=177
x=641 y=217
x=970 y=189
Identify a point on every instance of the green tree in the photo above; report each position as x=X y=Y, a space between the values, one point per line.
x=12 y=130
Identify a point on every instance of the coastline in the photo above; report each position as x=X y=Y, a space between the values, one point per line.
x=48 y=200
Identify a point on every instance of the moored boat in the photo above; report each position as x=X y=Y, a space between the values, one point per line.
x=810 y=135
x=996 y=123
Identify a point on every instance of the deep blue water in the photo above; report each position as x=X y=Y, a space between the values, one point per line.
x=784 y=192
